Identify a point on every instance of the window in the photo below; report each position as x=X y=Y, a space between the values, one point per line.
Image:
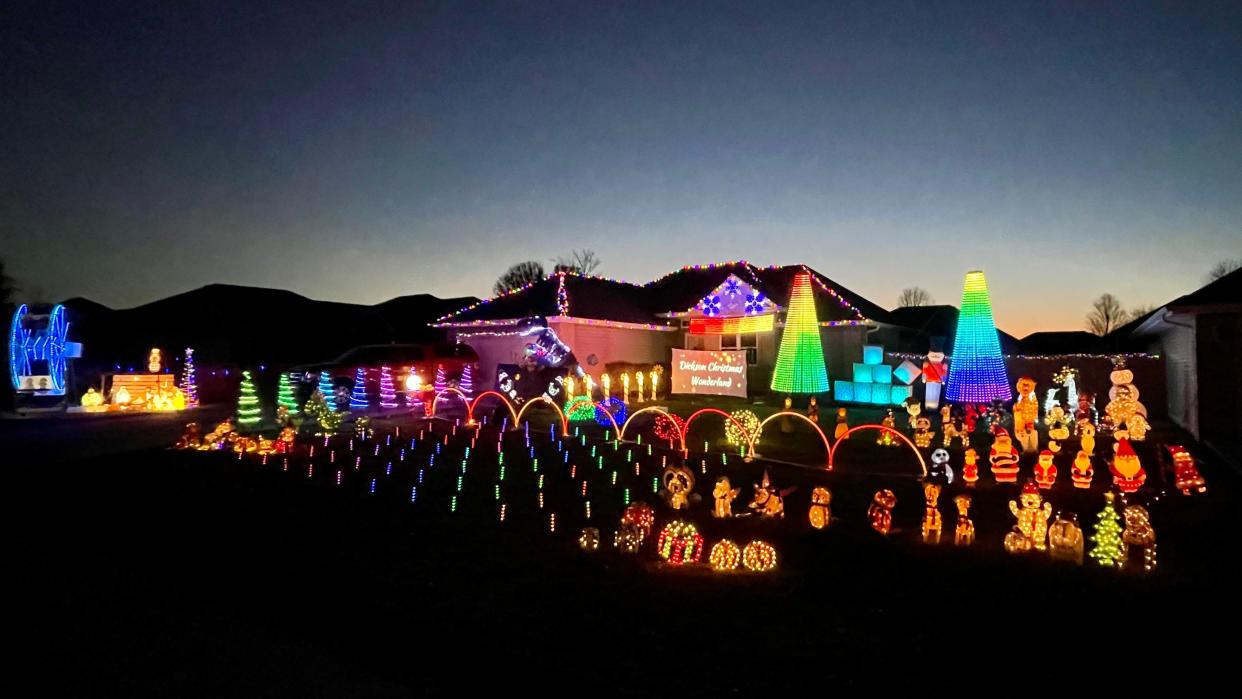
x=745 y=341
x=750 y=343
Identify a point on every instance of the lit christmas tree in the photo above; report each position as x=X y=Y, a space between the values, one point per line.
x=977 y=369
x=327 y=389
x=248 y=412
x=441 y=382
x=358 y=399
x=388 y=395
x=317 y=407
x=800 y=363
x=189 y=380
x=1108 y=550
x=284 y=393
x=466 y=384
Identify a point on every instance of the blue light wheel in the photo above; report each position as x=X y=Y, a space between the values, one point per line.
x=54 y=350
x=19 y=337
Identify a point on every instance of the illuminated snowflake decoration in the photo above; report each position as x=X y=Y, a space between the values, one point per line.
x=754 y=303
x=732 y=287
x=710 y=305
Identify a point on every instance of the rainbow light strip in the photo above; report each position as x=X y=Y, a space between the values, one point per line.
x=732 y=325
x=800 y=363
x=977 y=373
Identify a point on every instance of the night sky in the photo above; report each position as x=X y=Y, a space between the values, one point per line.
x=362 y=152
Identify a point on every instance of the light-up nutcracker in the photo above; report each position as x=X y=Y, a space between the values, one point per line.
x=970 y=469
x=934 y=374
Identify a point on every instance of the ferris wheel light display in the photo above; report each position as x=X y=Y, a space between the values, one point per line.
x=39 y=348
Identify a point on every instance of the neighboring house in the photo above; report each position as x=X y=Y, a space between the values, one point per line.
x=1200 y=337
x=1053 y=342
x=913 y=328
x=606 y=322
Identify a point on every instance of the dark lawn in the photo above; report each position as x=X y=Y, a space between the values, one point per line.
x=172 y=573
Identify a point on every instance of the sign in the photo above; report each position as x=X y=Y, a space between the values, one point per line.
x=713 y=373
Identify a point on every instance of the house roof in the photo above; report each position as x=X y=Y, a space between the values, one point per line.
x=1226 y=291
x=561 y=294
x=1224 y=294
x=679 y=291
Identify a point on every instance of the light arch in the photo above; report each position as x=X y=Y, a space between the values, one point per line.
x=881 y=428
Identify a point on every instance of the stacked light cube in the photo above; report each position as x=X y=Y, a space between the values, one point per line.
x=977 y=369
x=873 y=381
x=800 y=364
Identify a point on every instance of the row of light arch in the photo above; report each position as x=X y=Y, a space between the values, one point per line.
x=751 y=439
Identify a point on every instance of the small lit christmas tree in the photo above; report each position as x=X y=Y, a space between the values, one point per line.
x=327 y=389
x=800 y=364
x=466 y=384
x=284 y=393
x=358 y=399
x=317 y=407
x=189 y=380
x=248 y=411
x=1108 y=550
x=388 y=395
x=441 y=382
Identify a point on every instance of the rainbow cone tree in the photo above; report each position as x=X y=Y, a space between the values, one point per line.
x=977 y=369
x=800 y=364
x=248 y=411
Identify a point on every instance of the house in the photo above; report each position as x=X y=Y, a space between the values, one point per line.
x=602 y=323
x=1200 y=337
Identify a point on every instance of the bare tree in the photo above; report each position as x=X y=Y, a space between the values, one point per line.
x=1222 y=268
x=1138 y=312
x=914 y=296
x=518 y=276
x=579 y=261
x=1106 y=315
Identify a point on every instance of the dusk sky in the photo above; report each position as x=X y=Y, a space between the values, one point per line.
x=360 y=151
